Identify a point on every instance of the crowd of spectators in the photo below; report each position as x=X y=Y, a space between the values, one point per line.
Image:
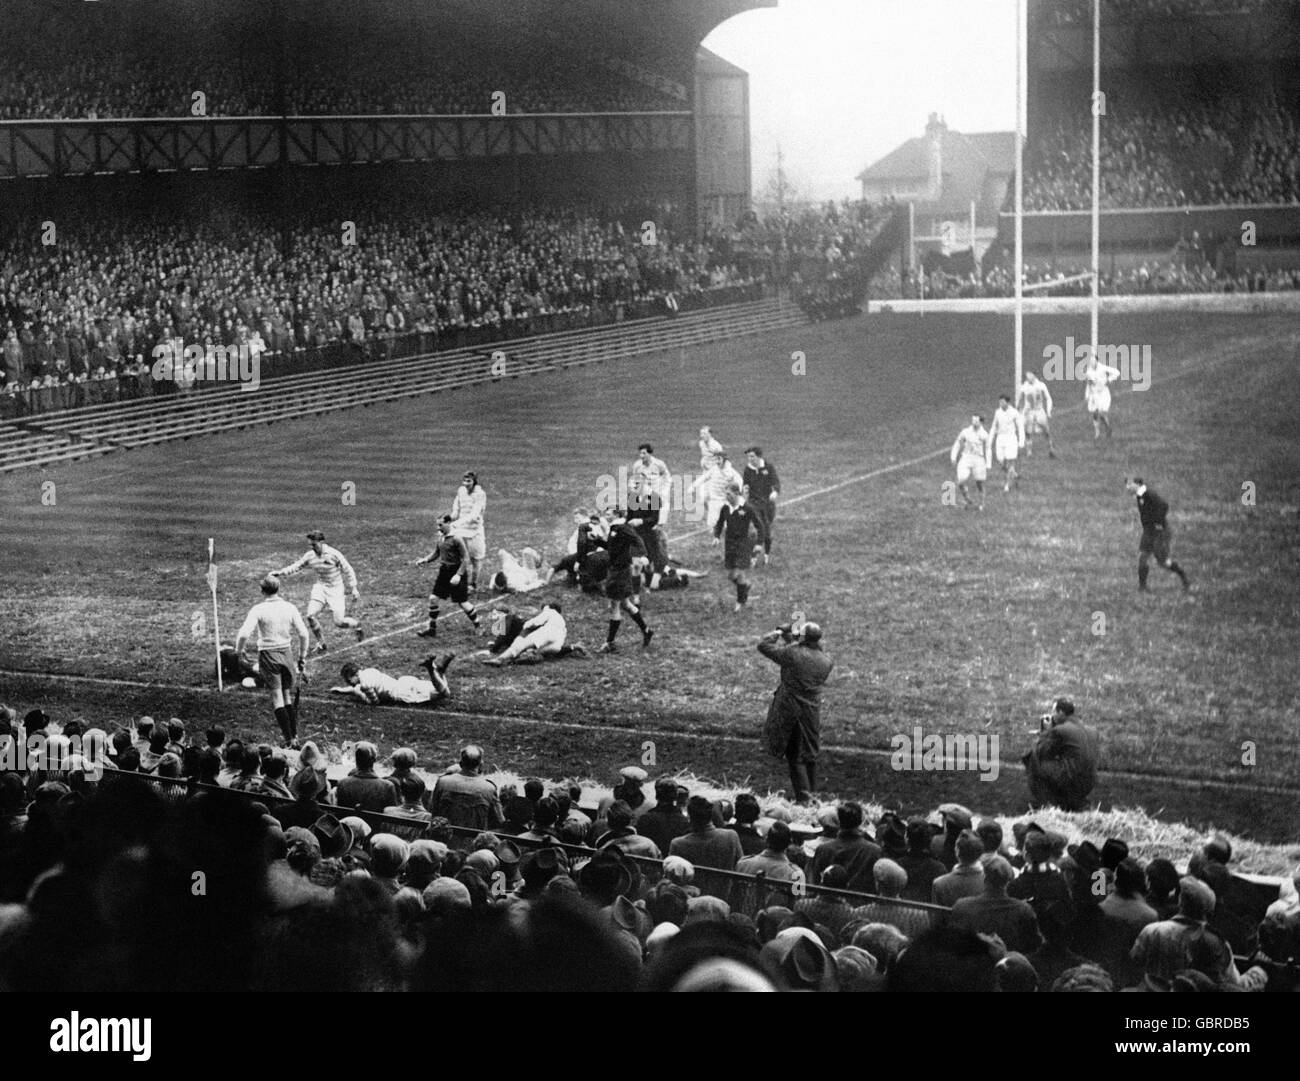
x=1167 y=153
x=1151 y=277
x=1067 y=12
x=85 y=313
x=65 y=63
x=389 y=878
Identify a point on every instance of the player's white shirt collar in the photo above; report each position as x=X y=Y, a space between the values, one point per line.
x=1141 y=490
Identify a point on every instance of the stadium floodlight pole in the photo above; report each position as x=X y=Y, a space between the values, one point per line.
x=1096 y=172
x=1022 y=78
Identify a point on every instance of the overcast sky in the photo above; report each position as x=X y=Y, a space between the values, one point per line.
x=840 y=83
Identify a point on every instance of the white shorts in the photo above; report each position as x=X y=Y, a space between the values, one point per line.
x=413 y=691
x=1098 y=400
x=475 y=542
x=1036 y=420
x=968 y=467
x=323 y=596
x=542 y=640
x=1007 y=448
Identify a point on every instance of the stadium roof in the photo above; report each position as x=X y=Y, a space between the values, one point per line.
x=710 y=63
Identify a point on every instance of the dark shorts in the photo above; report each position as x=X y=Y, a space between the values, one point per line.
x=620 y=584
x=276 y=669
x=444 y=590
x=656 y=549
x=738 y=559
x=1155 y=542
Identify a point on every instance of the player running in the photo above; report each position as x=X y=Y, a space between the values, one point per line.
x=1008 y=435
x=332 y=572
x=452 y=558
x=735 y=520
x=1096 y=396
x=275 y=621
x=709 y=447
x=970 y=454
x=1157 y=537
x=1034 y=401
x=373 y=687
x=761 y=486
x=712 y=486
x=624 y=547
x=467 y=515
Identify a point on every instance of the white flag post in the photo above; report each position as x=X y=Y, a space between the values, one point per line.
x=216 y=630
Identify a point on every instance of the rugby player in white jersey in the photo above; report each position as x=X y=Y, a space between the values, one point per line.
x=467 y=523
x=1008 y=434
x=1096 y=395
x=970 y=454
x=712 y=486
x=374 y=687
x=332 y=572
x=275 y=621
x=1034 y=401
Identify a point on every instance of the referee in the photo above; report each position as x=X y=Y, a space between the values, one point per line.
x=275 y=621
x=1157 y=537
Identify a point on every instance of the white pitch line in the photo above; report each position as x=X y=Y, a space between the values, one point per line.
x=403 y=630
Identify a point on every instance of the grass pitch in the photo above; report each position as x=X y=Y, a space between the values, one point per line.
x=952 y=620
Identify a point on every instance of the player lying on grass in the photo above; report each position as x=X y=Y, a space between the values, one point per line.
x=542 y=636
x=332 y=569
x=377 y=688
x=519 y=575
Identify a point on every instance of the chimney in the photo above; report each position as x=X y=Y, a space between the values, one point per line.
x=935 y=129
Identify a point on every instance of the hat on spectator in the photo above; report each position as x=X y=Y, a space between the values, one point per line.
x=443 y=896
x=954 y=814
x=1086 y=856
x=888 y=873
x=799 y=958
x=402 y=758
x=722 y=974
x=853 y=963
x=626 y=916
x=665 y=789
x=706 y=909
x=1038 y=847
x=388 y=854
x=1087 y=977
x=605 y=874
x=891 y=835
x=661 y=933
x=633 y=773
x=829 y=817
x=1113 y=853
x=1015 y=973
x=484 y=861
x=302 y=845
x=1195 y=899
x=679 y=869
x=425 y=858
x=508 y=854
x=358 y=827
x=778 y=814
